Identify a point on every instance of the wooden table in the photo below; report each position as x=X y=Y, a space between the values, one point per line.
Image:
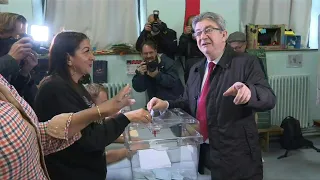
x=265 y=136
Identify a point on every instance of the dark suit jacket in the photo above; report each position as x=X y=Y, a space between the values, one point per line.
x=233 y=134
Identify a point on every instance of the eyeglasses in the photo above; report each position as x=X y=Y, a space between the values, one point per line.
x=206 y=31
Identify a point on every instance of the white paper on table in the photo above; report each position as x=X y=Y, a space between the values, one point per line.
x=152 y=159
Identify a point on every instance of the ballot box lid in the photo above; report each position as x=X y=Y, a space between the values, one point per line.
x=169 y=129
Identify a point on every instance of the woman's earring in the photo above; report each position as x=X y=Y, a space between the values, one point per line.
x=74 y=71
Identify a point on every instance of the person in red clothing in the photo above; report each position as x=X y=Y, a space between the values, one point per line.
x=223 y=91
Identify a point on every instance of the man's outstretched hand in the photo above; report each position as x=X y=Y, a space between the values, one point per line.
x=241 y=92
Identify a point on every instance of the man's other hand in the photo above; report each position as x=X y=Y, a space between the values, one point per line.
x=153 y=74
x=30 y=62
x=241 y=92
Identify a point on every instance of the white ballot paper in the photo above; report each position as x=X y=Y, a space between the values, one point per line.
x=153 y=159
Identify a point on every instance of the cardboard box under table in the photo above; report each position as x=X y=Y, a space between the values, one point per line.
x=167 y=148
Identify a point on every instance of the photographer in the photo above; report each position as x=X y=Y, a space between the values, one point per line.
x=188 y=48
x=187 y=43
x=157 y=31
x=17 y=58
x=157 y=75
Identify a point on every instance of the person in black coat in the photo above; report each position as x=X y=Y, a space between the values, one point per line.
x=164 y=37
x=17 y=57
x=188 y=48
x=157 y=75
x=235 y=89
x=70 y=58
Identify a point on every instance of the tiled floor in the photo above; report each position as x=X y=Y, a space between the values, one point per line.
x=303 y=164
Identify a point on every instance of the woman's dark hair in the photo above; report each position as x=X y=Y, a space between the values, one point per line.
x=148 y=43
x=64 y=44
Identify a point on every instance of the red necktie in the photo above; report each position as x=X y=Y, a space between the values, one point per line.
x=201 y=110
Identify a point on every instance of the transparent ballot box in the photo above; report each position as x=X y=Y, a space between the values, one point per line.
x=167 y=148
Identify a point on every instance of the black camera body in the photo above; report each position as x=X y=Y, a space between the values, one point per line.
x=35 y=46
x=152 y=65
x=155 y=25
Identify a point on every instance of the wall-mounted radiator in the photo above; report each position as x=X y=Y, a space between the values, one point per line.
x=292 y=98
x=114 y=88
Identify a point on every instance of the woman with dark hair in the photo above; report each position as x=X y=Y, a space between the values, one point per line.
x=24 y=141
x=71 y=58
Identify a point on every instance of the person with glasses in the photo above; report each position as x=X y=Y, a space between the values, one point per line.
x=223 y=92
x=238 y=42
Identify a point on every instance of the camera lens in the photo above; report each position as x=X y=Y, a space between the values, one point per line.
x=155 y=27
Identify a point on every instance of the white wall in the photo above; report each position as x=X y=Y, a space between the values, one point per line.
x=30 y=9
x=228 y=9
x=23 y=7
x=171 y=12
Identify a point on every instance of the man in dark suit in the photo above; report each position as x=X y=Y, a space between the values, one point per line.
x=223 y=92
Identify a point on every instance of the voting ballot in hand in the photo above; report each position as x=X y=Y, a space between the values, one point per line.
x=169 y=142
x=155 y=127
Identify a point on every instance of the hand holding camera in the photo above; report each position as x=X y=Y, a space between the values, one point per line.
x=29 y=63
x=143 y=67
x=156 y=26
x=147 y=27
x=153 y=73
x=21 y=49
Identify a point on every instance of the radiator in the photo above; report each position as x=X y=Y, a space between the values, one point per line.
x=292 y=98
x=113 y=88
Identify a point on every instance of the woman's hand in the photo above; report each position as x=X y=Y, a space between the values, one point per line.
x=139 y=115
x=118 y=102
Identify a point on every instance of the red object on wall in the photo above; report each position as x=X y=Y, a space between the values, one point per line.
x=192 y=8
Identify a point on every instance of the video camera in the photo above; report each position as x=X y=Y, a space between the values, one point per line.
x=155 y=25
